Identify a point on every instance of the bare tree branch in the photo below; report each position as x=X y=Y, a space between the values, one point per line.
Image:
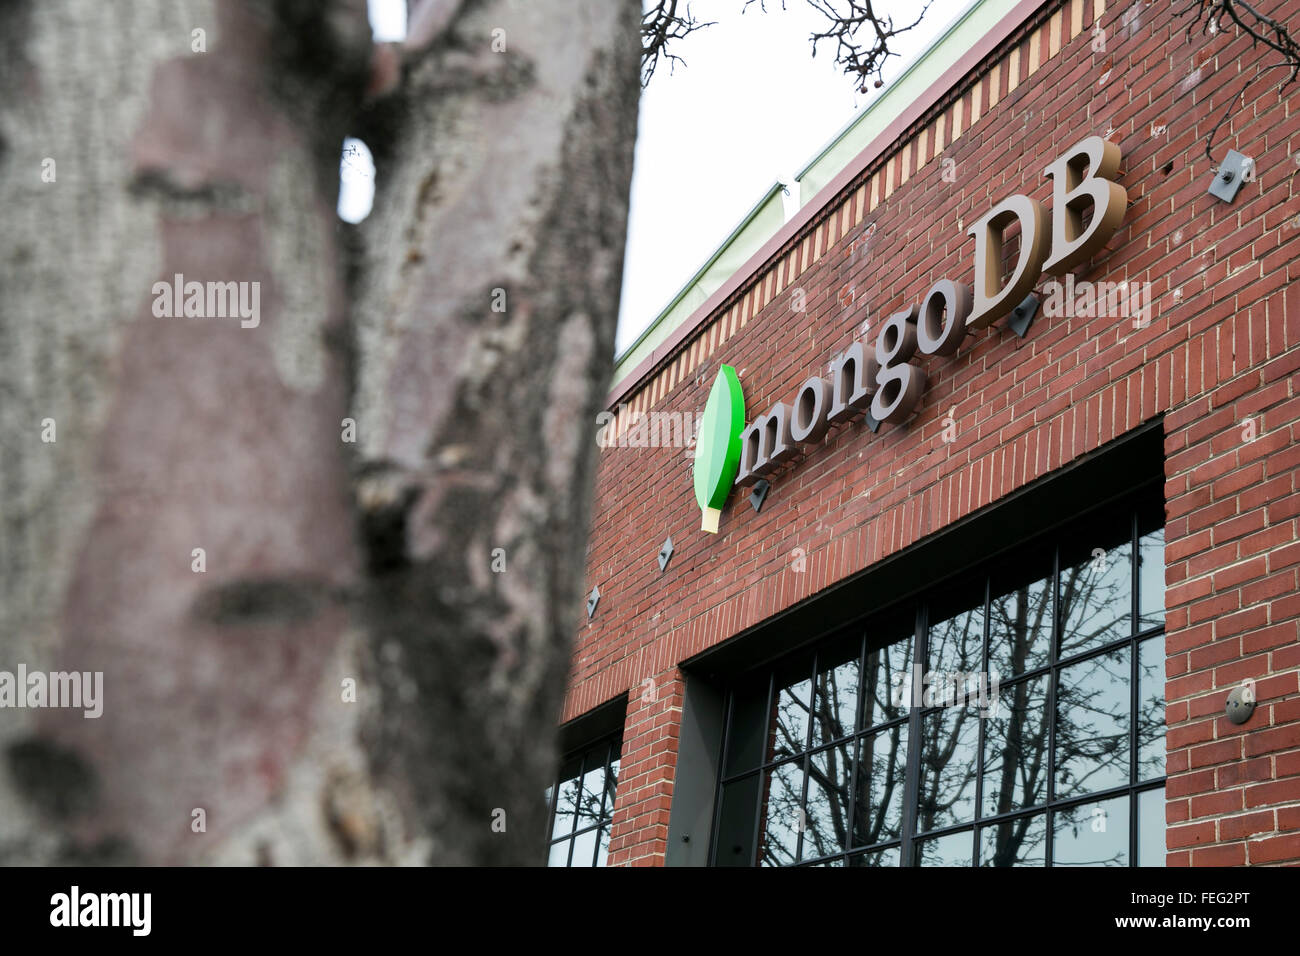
x=660 y=24
x=862 y=36
x=1209 y=15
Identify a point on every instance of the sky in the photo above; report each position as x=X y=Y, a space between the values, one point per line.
x=750 y=106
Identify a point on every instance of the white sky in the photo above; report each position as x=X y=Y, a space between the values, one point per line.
x=750 y=106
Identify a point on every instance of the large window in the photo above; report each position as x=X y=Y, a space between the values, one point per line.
x=1011 y=718
x=582 y=805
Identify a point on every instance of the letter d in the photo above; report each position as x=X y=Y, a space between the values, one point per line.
x=993 y=299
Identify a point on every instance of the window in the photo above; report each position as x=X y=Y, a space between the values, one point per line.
x=1014 y=717
x=581 y=805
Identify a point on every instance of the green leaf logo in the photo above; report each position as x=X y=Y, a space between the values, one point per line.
x=717 y=446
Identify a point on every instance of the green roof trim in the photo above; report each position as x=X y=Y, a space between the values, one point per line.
x=757 y=226
x=768 y=216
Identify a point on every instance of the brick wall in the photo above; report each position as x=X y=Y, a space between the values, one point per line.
x=1221 y=351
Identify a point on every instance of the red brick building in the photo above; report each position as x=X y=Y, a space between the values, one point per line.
x=1101 y=512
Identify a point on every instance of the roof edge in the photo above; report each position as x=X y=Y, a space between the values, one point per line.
x=811 y=210
x=773 y=190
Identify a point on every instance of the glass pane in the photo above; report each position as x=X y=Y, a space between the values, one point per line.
x=559 y=855
x=955 y=849
x=735 y=841
x=827 y=810
x=1151 y=828
x=1092 y=725
x=602 y=847
x=1015 y=748
x=887 y=684
x=1151 y=708
x=956 y=646
x=882 y=762
x=837 y=693
x=950 y=739
x=593 y=787
x=1096 y=595
x=584 y=849
x=1020 y=624
x=793 y=703
x=1151 y=579
x=782 y=815
x=887 y=857
x=749 y=726
x=1092 y=834
x=566 y=804
x=1018 y=842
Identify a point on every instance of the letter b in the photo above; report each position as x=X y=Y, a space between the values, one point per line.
x=1081 y=179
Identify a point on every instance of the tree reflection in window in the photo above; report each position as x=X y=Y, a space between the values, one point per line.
x=1097 y=597
x=1020 y=628
x=1092 y=724
x=1015 y=749
x=783 y=817
x=948 y=767
x=583 y=806
x=826 y=820
x=836 y=696
x=1053 y=772
x=887 y=684
x=879 y=813
x=793 y=708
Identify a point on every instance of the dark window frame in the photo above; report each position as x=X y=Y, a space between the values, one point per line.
x=610 y=745
x=1140 y=506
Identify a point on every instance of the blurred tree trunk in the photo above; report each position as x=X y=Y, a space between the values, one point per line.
x=434 y=564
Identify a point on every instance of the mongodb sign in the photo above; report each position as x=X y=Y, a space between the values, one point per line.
x=882 y=379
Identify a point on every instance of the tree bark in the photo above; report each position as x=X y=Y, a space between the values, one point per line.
x=503 y=163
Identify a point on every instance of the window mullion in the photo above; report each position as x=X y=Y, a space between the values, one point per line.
x=1049 y=559
x=806 y=763
x=756 y=848
x=855 y=746
x=911 y=785
x=1133 y=690
x=728 y=735
x=979 y=752
x=1053 y=679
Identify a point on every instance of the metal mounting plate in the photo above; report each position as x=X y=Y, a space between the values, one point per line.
x=1022 y=317
x=1235 y=170
x=665 y=554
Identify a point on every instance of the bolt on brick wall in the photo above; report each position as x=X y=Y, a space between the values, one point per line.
x=1233 y=607
x=1218 y=348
